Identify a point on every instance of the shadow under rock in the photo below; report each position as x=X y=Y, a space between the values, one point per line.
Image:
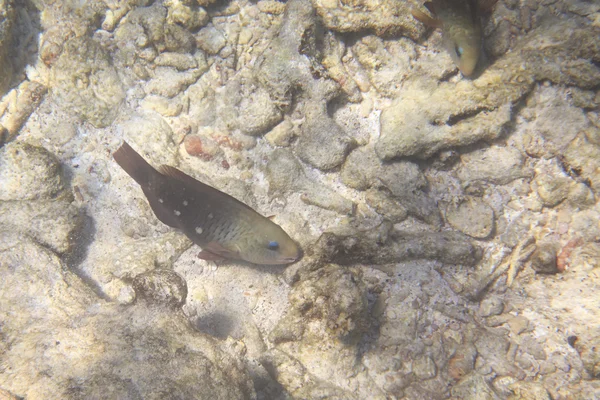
x=81 y=240
x=215 y=324
x=26 y=34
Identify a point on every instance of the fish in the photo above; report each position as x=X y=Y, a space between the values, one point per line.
x=224 y=227
x=462 y=33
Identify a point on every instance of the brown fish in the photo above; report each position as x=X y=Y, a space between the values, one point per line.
x=223 y=226
x=460 y=21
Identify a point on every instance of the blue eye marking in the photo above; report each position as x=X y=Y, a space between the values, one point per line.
x=459 y=50
x=273 y=245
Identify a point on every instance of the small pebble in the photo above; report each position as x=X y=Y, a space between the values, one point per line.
x=201 y=147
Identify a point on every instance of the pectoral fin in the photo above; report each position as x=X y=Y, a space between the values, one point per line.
x=208 y=256
x=426 y=19
x=218 y=250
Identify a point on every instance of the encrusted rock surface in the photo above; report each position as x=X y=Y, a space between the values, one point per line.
x=114 y=340
x=449 y=226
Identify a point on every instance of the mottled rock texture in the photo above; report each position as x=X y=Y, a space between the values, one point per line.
x=449 y=224
x=84 y=79
x=41 y=319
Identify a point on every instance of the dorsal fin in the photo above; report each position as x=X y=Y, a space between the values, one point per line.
x=426 y=19
x=174 y=173
x=486 y=6
x=430 y=7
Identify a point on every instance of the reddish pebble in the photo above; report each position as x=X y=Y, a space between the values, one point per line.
x=565 y=253
x=195 y=147
x=225 y=164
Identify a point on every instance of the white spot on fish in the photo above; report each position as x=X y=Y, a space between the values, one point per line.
x=210 y=216
x=198 y=230
x=178 y=213
x=185 y=203
x=160 y=200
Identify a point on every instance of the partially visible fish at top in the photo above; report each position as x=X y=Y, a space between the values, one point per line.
x=462 y=33
x=224 y=227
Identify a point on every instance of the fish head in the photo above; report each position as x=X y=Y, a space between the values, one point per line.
x=464 y=45
x=272 y=247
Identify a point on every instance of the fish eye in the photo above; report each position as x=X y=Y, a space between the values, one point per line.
x=273 y=245
x=458 y=50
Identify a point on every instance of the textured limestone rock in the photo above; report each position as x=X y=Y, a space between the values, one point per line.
x=115 y=270
x=385 y=62
x=385 y=18
x=426 y=119
x=33 y=201
x=584 y=157
x=425 y=128
x=552 y=184
x=491 y=306
x=169 y=82
x=386 y=206
x=7 y=20
x=554 y=120
x=328 y=310
x=286 y=176
x=473 y=217
x=28 y=173
x=186 y=15
x=150 y=135
x=499 y=165
x=322 y=143
x=404 y=180
x=474 y=386
x=211 y=40
x=296 y=380
x=543 y=260
x=105 y=350
x=293 y=63
x=29 y=96
x=84 y=79
x=246 y=105
x=334 y=299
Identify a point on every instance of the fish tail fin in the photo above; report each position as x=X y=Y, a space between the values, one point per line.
x=134 y=164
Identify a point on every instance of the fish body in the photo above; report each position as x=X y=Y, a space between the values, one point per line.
x=462 y=33
x=223 y=226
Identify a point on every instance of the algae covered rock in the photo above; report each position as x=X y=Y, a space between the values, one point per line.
x=161 y=286
x=328 y=310
x=28 y=173
x=53 y=223
x=84 y=79
x=381 y=245
x=32 y=197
